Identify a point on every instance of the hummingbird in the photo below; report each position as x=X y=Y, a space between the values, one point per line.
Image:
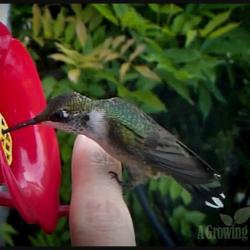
x=131 y=136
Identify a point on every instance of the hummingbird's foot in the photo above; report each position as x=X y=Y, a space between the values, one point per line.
x=124 y=185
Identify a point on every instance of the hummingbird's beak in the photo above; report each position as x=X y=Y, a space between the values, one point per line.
x=37 y=119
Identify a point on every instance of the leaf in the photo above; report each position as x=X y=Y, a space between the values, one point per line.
x=107 y=75
x=74 y=75
x=178 y=23
x=226 y=219
x=141 y=84
x=77 y=8
x=126 y=46
x=147 y=100
x=120 y=9
x=7 y=228
x=123 y=91
x=155 y=7
x=166 y=31
x=153 y=185
x=164 y=185
x=47 y=22
x=97 y=90
x=185 y=229
x=99 y=35
x=70 y=32
x=88 y=13
x=103 y=53
x=179 y=86
x=107 y=43
x=118 y=41
x=170 y=9
x=191 y=23
x=8 y=239
x=202 y=69
x=153 y=44
x=62 y=58
x=104 y=10
x=40 y=41
x=237 y=42
x=36 y=20
x=134 y=20
x=223 y=30
x=137 y=52
x=175 y=190
x=182 y=55
x=81 y=32
x=59 y=23
x=190 y=36
x=95 y=23
x=48 y=84
x=242 y=215
x=212 y=87
x=215 y=22
x=179 y=212
x=123 y=70
x=111 y=56
x=186 y=197
x=195 y=217
x=174 y=223
x=205 y=101
x=94 y=65
x=150 y=102
x=147 y=72
x=6 y=232
x=73 y=54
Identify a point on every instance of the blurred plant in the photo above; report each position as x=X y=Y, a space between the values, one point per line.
x=187 y=58
x=6 y=233
x=61 y=236
x=168 y=51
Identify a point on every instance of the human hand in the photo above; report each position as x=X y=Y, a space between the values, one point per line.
x=98 y=214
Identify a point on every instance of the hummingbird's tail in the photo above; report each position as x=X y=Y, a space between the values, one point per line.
x=211 y=193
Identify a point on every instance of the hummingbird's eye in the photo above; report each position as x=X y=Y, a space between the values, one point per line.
x=59 y=115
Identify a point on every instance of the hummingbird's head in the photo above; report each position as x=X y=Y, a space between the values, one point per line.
x=67 y=112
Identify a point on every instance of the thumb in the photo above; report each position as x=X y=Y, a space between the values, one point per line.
x=98 y=213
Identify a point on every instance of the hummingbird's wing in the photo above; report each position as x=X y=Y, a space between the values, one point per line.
x=143 y=138
x=187 y=168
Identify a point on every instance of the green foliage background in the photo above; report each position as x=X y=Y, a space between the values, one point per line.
x=187 y=65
